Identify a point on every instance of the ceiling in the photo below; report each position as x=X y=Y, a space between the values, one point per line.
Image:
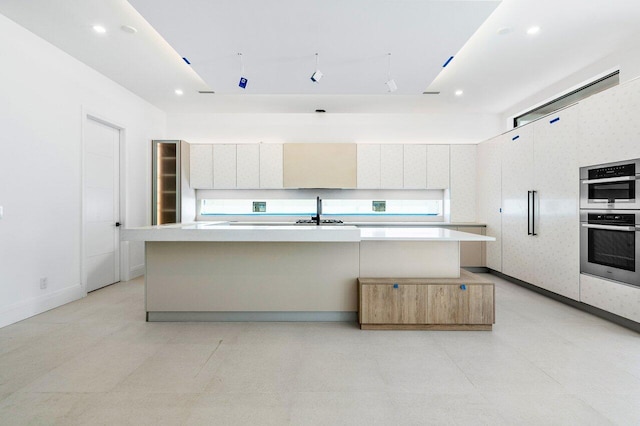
x=279 y=40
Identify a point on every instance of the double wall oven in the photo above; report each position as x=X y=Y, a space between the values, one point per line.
x=610 y=221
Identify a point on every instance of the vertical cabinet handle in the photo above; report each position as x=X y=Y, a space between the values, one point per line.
x=528 y=212
x=533 y=213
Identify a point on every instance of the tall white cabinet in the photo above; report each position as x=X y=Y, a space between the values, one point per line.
x=557 y=183
x=517 y=182
x=489 y=190
x=540 y=184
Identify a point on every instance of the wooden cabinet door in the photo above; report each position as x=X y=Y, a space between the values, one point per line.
x=450 y=304
x=384 y=304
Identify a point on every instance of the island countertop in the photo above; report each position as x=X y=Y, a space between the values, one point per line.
x=221 y=231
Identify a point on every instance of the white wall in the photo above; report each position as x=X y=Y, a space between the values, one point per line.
x=444 y=128
x=43 y=92
x=626 y=59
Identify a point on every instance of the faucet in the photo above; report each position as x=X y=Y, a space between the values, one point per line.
x=318 y=210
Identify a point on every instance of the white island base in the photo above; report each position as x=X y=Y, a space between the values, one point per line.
x=223 y=274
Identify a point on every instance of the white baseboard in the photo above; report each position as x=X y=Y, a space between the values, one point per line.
x=136 y=271
x=27 y=308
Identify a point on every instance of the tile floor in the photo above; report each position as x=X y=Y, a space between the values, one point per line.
x=96 y=361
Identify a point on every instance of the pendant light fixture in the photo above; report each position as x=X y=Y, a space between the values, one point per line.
x=243 y=80
x=391 y=84
x=317 y=75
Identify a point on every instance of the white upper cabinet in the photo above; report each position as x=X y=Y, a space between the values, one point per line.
x=368 y=166
x=201 y=166
x=248 y=166
x=391 y=166
x=609 y=128
x=224 y=166
x=271 y=166
x=415 y=167
x=437 y=166
x=463 y=183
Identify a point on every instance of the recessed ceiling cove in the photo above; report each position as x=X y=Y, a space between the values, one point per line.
x=279 y=39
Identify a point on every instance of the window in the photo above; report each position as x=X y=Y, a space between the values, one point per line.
x=584 y=92
x=330 y=207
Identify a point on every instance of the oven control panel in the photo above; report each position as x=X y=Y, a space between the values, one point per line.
x=613 y=171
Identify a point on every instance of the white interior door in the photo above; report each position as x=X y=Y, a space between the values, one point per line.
x=101 y=204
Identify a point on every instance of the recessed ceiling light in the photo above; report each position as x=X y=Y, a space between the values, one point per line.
x=99 y=29
x=459 y=92
x=179 y=92
x=129 y=29
x=504 y=30
x=533 y=30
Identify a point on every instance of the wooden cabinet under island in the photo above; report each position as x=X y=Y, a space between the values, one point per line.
x=464 y=303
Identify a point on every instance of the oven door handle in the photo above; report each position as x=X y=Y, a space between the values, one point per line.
x=612 y=179
x=610 y=227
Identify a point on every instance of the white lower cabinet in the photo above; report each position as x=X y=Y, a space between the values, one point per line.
x=619 y=299
x=489 y=190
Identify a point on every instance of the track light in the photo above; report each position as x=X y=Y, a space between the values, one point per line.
x=317 y=75
x=391 y=83
x=243 y=80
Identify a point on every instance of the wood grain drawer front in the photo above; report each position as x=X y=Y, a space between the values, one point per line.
x=384 y=304
x=426 y=304
x=449 y=304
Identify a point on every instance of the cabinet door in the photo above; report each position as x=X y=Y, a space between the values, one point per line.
x=271 y=166
x=609 y=126
x=556 y=178
x=517 y=178
x=489 y=184
x=437 y=166
x=368 y=166
x=224 y=166
x=472 y=252
x=391 y=165
x=248 y=166
x=463 y=183
x=415 y=167
x=449 y=304
x=384 y=304
x=201 y=166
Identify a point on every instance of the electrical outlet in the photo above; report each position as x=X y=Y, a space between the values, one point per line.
x=43 y=283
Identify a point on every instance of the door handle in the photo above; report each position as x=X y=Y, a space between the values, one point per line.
x=533 y=213
x=528 y=212
x=117 y=224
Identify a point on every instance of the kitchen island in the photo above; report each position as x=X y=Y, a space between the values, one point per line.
x=215 y=272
